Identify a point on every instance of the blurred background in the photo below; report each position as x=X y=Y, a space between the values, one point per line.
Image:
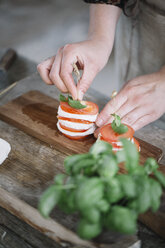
x=37 y=28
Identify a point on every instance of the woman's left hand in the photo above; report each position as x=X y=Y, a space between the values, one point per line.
x=140 y=101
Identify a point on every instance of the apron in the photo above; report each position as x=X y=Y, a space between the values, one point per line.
x=140 y=42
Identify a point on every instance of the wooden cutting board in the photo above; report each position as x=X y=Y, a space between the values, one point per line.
x=36 y=114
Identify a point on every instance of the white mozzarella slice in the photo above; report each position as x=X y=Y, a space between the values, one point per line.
x=5 y=148
x=89 y=131
x=62 y=113
x=76 y=125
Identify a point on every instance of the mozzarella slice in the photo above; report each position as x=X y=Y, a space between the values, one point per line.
x=76 y=125
x=62 y=113
x=89 y=131
x=5 y=148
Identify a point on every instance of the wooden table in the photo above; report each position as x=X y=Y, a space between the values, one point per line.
x=16 y=233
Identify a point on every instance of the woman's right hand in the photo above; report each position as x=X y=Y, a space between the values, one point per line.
x=90 y=55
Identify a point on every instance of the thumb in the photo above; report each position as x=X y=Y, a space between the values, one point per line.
x=85 y=81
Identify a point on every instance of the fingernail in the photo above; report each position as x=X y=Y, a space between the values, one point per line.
x=80 y=95
x=99 y=122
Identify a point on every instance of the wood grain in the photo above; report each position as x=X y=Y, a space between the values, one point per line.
x=35 y=114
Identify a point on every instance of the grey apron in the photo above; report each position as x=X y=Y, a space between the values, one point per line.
x=140 y=42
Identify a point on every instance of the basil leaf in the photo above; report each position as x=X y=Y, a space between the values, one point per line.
x=117 y=126
x=144 y=197
x=114 y=192
x=108 y=166
x=49 y=200
x=117 y=120
x=122 y=219
x=72 y=160
x=160 y=177
x=59 y=179
x=103 y=205
x=150 y=165
x=92 y=215
x=89 y=192
x=76 y=104
x=119 y=129
x=131 y=155
x=128 y=185
x=84 y=163
x=63 y=98
x=100 y=147
x=87 y=230
x=155 y=192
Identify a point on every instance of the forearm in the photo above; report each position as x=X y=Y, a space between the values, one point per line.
x=103 y=20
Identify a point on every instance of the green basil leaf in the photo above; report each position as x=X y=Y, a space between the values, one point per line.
x=89 y=192
x=119 y=129
x=87 y=230
x=160 y=177
x=100 y=147
x=131 y=155
x=84 y=163
x=49 y=200
x=122 y=219
x=128 y=185
x=144 y=197
x=117 y=120
x=72 y=160
x=63 y=98
x=108 y=166
x=113 y=192
x=76 y=104
x=59 y=179
x=150 y=165
x=92 y=215
x=103 y=205
x=155 y=192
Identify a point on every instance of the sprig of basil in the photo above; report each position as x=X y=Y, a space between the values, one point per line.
x=102 y=197
x=117 y=126
x=73 y=103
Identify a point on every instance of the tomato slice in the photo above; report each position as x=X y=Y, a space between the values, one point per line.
x=71 y=129
x=120 y=147
x=74 y=120
x=91 y=109
x=76 y=137
x=110 y=136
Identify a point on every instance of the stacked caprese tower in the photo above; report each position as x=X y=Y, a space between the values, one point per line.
x=113 y=132
x=76 y=120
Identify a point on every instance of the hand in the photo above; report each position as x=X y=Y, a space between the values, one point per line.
x=140 y=101
x=91 y=56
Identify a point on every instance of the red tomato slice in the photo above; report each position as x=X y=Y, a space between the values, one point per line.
x=119 y=147
x=113 y=145
x=110 y=136
x=75 y=137
x=91 y=109
x=71 y=129
x=74 y=120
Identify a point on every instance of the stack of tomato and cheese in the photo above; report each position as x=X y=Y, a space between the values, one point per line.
x=77 y=123
x=110 y=135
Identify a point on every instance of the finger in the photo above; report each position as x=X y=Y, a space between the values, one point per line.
x=66 y=73
x=96 y=133
x=89 y=74
x=44 y=70
x=111 y=107
x=54 y=72
x=134 y=115
x=141 y=122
